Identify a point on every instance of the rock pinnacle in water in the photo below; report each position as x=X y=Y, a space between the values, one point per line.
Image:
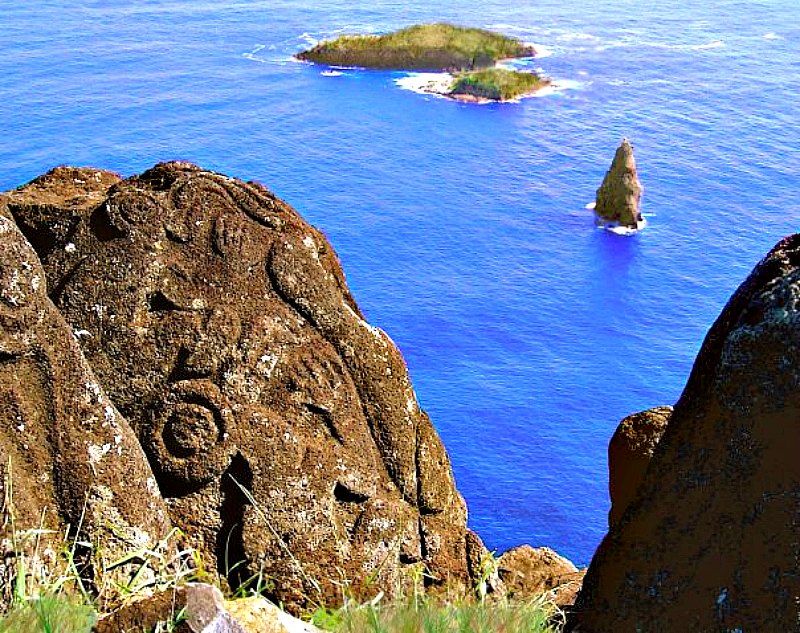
x=619 y=196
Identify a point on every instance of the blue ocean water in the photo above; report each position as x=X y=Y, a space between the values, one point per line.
x=463 y=231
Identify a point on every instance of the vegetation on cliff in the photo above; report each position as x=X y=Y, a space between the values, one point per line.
x=428 y=47
x=496 y=84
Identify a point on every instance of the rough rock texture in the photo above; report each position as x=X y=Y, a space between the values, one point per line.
x=711 y=541
x=204 y=610
x=282 y=428
x=619 y=196
x=629 y=453
x=155 y=612
x=529 y=572
x=208 y=612
x=67 y=456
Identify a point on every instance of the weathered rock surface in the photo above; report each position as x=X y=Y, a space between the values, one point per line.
x=619 y=197
x=629 y=453
x=200 y=608
x=710 y=542
x=282 y=428
x=529 y=572
x=208 y=612
x=67 y=456
x=156 y=612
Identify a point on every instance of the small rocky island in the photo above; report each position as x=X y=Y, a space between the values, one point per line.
x=468 y=56
x=619 y=197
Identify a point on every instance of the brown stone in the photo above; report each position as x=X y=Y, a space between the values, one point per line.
x=619 y=196
x=147 y=612
x=629 y=453
x=67 y=456
x=529 y=573
x=282 y=428
x=710 y=543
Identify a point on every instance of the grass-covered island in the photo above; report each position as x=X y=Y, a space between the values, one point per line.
x=469 y=54
x=494 y=84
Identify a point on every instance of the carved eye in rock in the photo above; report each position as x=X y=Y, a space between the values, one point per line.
x=187 y=438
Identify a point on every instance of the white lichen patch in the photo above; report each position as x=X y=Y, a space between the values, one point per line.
x=266 y=364
x=311 y=245
x=411 y=401
x=13 y=291
x=93 y=392
x=96 y=453
x=152 y=486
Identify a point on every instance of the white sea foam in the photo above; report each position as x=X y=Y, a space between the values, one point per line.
x=714 y=44
x=542 y=51
x=772 y=36
x=331 y=73
x=506 y=27
x=631 y=43
x=622 y=230
x=558 y=86
x=578 y=36
x=426 y=83
x=253 y=55
x=308 y=38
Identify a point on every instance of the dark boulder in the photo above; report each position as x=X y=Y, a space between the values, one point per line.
x=282 y=428
x=710 y=541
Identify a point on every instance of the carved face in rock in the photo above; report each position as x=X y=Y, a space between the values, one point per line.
x=282 y=428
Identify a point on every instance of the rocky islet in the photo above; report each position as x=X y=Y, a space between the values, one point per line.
x=617 y=205
x=467 y=56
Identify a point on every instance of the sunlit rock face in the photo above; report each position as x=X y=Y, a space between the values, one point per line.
x=619 y=196
x=282 y=428
x=70 y=465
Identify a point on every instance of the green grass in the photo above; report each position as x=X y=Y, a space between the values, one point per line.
x=49 y=614
x=437 y=46
x=430 y=616
x=54 y=584
x=496 y=84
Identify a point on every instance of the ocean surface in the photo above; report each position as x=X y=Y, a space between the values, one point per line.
x=529 y=333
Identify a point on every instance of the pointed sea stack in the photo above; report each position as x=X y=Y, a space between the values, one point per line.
x=619 y=196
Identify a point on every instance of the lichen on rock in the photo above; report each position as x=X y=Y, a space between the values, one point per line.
x=69 y=462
